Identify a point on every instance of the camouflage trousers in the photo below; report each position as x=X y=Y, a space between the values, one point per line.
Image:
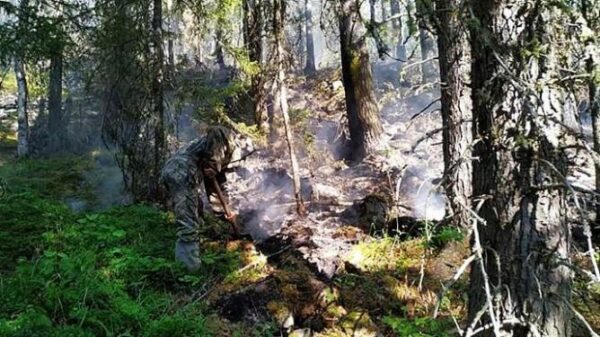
x=180 y=177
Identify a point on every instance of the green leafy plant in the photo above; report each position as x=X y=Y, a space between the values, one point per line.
x=418 y=327
x=108 y=273
x=445 y=235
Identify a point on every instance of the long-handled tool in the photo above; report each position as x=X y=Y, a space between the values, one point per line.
x=229 y=215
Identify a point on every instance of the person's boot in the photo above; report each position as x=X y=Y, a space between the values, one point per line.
x=188 y=253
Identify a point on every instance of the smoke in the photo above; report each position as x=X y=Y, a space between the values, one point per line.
x=107 y=181
x=263 y=197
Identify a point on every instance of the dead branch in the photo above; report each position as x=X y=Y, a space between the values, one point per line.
x=455 y=278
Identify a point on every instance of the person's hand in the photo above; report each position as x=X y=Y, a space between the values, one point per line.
x=231 y=217
x=209 y=172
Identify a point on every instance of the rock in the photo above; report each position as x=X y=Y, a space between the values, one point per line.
x=326 y=170
x=322 y=191
x=337 y=85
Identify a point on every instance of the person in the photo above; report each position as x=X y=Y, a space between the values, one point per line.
x=204 y=160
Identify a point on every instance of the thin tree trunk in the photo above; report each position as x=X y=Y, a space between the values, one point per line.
x=426 y=42
x=22 y=90
x=219 y=55
x=281 y=104
x=170 y=43
x=455 y=61
x=171 y=57
x=301 y=42
x=397 y=30
x=252 y=29
x=22 y=115
x=361 y=105
x=525 y=239
x=594 y=98
x=310 y=67
x=56 y=125
x=158 y=95
x=383 y=11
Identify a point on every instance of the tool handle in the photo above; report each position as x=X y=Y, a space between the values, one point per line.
x=221 y=197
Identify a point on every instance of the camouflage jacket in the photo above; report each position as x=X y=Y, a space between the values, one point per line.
x=212 y=151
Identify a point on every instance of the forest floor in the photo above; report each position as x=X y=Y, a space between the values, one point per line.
x=73 y=263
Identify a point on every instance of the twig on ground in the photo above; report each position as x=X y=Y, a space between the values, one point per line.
x=455 y=278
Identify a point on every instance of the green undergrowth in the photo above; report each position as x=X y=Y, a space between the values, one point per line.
x=108 y=273
x=8 y=82
x=55 y=178
x=419 y=327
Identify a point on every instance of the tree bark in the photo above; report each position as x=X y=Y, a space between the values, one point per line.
x=428 y=70
x=310 y=67
x=592 y=65
x=525 y=240
x=173 y=30
x=22 y=90
x=361 y=105
x=455 y=61
x=372 y=10
x=253 y=27
x=158 y=96
x=280 y=99
x=22 y=115
x=56 y=125
x=398 y=30
x=219 y=55
x=594 y=98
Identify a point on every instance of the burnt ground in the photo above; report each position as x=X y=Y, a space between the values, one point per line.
x=334 y=272
x=262 y=191
x=337 y=272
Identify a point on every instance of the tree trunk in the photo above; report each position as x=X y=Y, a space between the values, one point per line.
x=383 y=11
x=280 y=99
x=300 y=42
x=592 y=65
x=594 y=98
x=56 y=125
x=455 y=61
x=525 y=239
x=424 y=13
x=397 y=30
x=310 y=67
x=219 y=55
x=253 y=27
x=372 y=10
x=158 y=95
x=22 y=90
x=172 y=31
x=22 y=115
x=361 y=105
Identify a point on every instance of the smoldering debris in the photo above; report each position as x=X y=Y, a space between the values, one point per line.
x=262 y=197
x=262 y=191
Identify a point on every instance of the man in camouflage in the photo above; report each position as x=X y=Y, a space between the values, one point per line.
x=204 y=159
